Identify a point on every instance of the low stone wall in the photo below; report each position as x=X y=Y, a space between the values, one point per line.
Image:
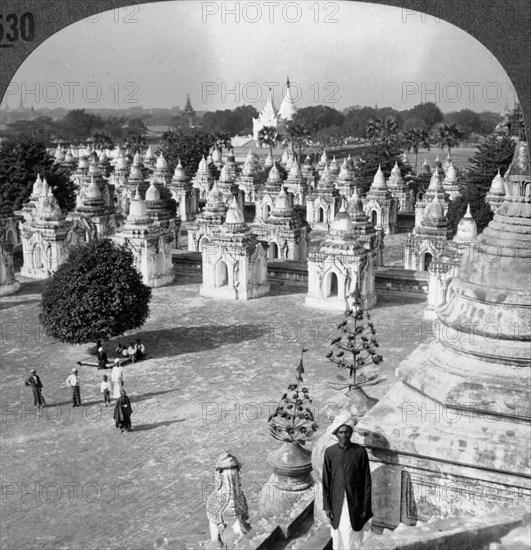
x=280 y=272
x=288 y=272
x=402 y=281
x=388 y=281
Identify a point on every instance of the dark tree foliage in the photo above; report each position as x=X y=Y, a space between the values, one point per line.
x=171 y=203
x=494 y=153
x=479 y=209
x=238 y=121
x=21 y=160
x=429 y=112
x=188 y=147
x=318 y=117
x=382 y=154
x=102 y=140
x=95 y=295
x=79 y=125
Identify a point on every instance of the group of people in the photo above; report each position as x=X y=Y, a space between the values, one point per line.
x=135 y=351
x=110 y=389
x=115 y=386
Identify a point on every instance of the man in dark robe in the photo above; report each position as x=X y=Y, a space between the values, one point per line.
x=123 y=412
x=347 y=490
x=35 y=383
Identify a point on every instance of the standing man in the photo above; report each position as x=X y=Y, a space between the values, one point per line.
x=73 y=382
x=117 y=377
x=36 y=386
x=347 y=489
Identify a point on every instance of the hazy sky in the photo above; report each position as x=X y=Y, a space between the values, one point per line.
x=335 y=53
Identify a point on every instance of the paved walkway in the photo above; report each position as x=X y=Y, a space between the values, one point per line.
x=71 y=480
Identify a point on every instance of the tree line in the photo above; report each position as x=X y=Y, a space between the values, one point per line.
x=327 y=125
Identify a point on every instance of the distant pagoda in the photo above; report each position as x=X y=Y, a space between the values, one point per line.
x=189 y=112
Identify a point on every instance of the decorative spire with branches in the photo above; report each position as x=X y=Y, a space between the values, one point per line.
x=355 y=349
x=293 y=420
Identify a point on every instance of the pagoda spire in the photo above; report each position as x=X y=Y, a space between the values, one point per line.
x=287 y=108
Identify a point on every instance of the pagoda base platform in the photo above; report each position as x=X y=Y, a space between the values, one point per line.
x=161 y=280
x=430 y=461
x=337 y=304
x=11 y=288
x=32 y=273
x=229 y=293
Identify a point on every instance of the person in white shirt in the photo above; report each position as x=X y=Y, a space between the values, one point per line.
x=106 y=391
x=132 y=352
x=73 y=382
x=117 y=378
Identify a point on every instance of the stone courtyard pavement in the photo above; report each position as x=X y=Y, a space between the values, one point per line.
x=71 y=480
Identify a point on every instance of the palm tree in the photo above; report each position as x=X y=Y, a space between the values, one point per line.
x=102 y=140
x=222 y=141
x=297 y=134
x=135 y=142
x=269 y=136
x=449 y=135
x=415 y=139
x=382 y=131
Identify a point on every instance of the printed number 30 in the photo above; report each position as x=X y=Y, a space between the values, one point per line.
x=16 y=28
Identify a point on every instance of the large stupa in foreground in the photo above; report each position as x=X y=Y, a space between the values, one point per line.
x=453 y=436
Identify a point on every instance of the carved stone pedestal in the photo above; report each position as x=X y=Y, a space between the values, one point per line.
x=290 y=480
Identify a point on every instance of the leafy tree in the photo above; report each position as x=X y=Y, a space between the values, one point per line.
x=102 y=140
x=333 y=135
x=489 y=121
x=136 y=126
x=449 y=135
x=491 y=155
x=43 y=128
x=171 y=203
x=467 y=120
x=411 y=122
x=235 y=122
x=416 y=138
x=187 y=147
x=77 y=125
x=428 y=112
x=269 y=136
x=21 y=160
x=95 y=295
x=356 y=120
x=243 y=119
x=480 y=210
x=317 y=117
x=114 y=127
